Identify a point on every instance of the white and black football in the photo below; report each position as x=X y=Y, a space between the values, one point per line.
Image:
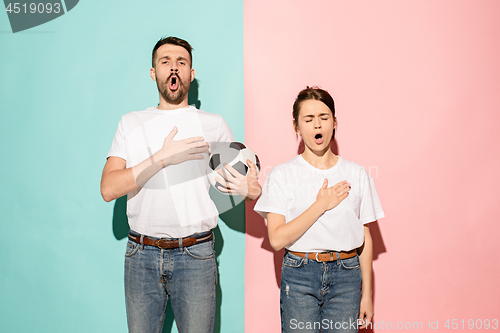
x=233 y=153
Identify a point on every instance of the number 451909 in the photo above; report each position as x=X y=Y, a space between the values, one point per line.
x=33 y=8
x=471 y=324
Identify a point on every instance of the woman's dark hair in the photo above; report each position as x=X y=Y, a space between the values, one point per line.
x=316 y=93
x=173 y=41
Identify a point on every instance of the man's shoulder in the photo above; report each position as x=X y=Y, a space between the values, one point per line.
x=138 y=114
x=150 y=110
x=205 y=114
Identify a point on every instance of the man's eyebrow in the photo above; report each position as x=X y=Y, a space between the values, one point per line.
x=168 y=58
x=164 y=57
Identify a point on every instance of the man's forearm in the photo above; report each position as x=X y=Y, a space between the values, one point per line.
x=118 y=182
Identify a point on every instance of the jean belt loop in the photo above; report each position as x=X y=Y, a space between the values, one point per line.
x=180 y=244
x=338 y=257
x=142 y=242
x=306 y=259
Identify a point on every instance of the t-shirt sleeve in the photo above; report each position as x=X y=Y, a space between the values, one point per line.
x=370 y=209
x=224 y=133
x=272 y=199
x=118 y=147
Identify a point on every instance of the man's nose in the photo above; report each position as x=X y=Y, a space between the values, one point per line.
x=174 y=70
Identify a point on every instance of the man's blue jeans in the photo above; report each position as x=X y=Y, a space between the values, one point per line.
x=187 y=276
x=319 y=295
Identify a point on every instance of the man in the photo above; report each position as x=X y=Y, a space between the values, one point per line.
x=158 y=158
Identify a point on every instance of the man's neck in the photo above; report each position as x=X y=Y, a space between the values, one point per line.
x=164 y=105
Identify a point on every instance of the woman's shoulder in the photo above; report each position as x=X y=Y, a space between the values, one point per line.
x=283 y=169
x=351 y=167
x=288 y=165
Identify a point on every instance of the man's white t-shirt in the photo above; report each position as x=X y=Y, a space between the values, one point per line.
x=291 y=188
x=175 y=202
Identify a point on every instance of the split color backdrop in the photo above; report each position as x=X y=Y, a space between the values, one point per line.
x=416 y=88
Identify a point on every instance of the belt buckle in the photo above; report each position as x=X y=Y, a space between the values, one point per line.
x=160 y=240
x=317 y=259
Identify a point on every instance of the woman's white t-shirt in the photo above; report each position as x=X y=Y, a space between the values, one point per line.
x=291 y=188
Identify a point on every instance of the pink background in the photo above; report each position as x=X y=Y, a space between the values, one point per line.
x=417 y=92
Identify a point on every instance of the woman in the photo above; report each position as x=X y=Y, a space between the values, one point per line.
x=327 y=268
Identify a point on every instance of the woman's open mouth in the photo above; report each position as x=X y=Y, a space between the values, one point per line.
x=318 y=138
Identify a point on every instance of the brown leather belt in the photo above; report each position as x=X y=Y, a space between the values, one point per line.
x=171 y=243
x=326 y=256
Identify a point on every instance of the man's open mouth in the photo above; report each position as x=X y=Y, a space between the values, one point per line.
x=174 y=83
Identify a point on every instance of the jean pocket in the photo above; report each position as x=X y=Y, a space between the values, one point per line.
x=201 y=251
x=132 y=248
x=350 y=263
x=293 y=261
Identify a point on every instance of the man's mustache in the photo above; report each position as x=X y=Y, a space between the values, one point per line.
x=170 y=76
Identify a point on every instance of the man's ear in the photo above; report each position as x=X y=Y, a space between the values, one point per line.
x=152 y=73
x=192 y=74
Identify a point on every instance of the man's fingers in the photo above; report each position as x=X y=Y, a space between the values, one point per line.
x=222 y=189
x=198 y=150
x=195 y=139
x=253 y=167
x=232 y=171
x=198 y=144
x=223 y=173
x=225 y=190
x=172 y=134
x=221 y=181
x=227 y=186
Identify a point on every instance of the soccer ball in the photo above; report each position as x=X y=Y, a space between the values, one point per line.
x=233 y=153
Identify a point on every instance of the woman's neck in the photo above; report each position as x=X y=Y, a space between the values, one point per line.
x=320 y=160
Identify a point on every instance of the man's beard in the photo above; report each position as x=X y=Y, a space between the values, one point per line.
x=173 y=97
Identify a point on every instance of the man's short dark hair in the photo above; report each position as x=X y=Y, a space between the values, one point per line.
x=173 y=41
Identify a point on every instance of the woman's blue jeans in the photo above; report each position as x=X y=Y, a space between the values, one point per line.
x=187 y=276
x=319 y=295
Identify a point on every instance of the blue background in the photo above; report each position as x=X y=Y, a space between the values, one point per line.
x=64 y=86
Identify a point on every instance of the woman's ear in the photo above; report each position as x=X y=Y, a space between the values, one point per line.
x=296 y=128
